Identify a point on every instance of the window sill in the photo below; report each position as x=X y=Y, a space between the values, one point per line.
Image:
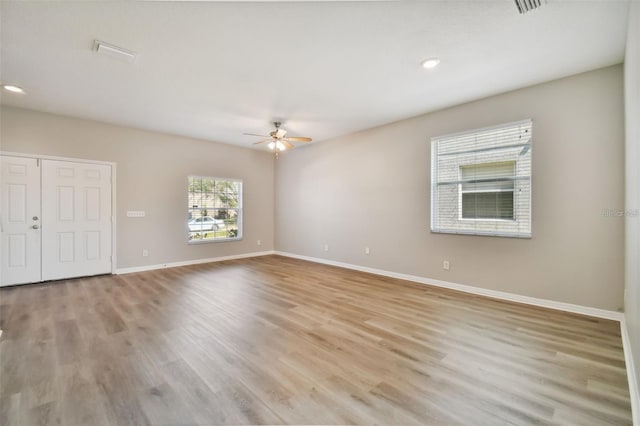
x=471 y=220
x=217 y=240
x=482 y=234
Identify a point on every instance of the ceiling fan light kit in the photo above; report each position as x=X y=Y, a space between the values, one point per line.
x=276 y=146
x=278 y=140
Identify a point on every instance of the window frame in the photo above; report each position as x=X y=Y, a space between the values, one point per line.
x=239 y=209
x=522 y=223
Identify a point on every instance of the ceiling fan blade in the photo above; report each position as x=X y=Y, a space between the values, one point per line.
x=298 y=139
x=285 y=143
x=280 y=133
x=266 y=140
x=253 y=134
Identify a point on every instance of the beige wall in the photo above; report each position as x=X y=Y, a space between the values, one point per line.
x=632 y=110
x=152 y=170
x=372 y=189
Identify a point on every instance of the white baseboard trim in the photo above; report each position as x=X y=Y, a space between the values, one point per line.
x=495 y=294
x=190 y=262
x=634 y=393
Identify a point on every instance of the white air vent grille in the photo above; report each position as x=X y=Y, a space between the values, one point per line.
x=525 y=6
x=114 y=51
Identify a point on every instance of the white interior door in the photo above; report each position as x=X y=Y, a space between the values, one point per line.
x=76 y=219
x=20 y=241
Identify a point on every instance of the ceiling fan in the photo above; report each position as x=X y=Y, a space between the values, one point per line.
x=278 y=140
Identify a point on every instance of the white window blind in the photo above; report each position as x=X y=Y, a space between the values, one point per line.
x=481 y=181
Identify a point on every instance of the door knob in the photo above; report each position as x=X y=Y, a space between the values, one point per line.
x=35 y=227
x=35 y=218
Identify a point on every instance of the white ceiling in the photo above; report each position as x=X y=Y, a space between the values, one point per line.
x=214 y=70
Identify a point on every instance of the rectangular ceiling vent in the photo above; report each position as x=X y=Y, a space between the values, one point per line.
x=525 y=6
x=114 y=51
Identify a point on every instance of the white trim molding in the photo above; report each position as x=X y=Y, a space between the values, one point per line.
x=56 y=158
x=190 y=262
x=495 y=294
x=634 y=392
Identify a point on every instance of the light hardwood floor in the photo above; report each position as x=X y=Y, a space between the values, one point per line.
x=274 y=340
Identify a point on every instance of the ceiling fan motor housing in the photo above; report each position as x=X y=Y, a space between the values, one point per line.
x=279 y=139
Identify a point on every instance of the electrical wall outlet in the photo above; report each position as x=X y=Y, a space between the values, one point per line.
x=446 y=265
x=145 y=252
x=326 y=247
x=367 y=251
x=259 y=242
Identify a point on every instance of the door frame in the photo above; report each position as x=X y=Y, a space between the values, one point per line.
x=113 y=190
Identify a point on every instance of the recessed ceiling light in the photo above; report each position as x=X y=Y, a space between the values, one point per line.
x=430 y=63
x=14 y=89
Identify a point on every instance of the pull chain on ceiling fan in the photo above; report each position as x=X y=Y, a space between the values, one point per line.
x=278 y=140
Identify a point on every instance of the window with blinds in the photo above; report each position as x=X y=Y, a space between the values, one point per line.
x=214 y=209
x=481 y=181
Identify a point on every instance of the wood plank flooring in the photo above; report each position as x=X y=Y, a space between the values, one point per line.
x=273 y=340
